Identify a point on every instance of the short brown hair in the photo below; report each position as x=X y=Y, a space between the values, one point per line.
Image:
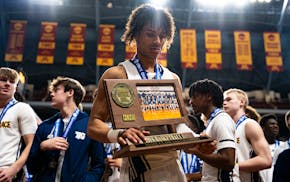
x=9 y=74
x=68 y=84
x=148 y=14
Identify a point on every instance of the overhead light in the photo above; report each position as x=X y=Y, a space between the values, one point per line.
x=110 y=5
x=159 y=3
x=48 y=2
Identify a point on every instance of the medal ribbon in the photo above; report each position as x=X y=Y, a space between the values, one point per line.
x=193 y=167
x=184 y=162
x=70 y=123
x=277 y=143
x=241 y=119
x=7 y=106
x=143 y=73
x=212 y=115
x=56 y=127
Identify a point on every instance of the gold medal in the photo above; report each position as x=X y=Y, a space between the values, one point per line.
x=53 y=163
x=123 y=95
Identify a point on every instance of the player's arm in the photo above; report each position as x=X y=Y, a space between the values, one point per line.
x=223 y=159
x=19 y=163
x=97 y=129
x=263 y=160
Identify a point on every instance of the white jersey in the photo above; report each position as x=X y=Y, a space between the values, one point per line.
x=162 y=166
x=283 y=146
x=19 y=120
x=221 y=128
x=267 y=174
x=245 y=150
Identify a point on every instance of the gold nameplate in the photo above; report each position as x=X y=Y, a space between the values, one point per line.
x=123 y=95
x=128 y=117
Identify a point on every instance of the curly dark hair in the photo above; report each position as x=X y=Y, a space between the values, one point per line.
x=210 y=87
x=148 y=14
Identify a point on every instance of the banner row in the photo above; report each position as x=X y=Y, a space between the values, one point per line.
x=105 y=48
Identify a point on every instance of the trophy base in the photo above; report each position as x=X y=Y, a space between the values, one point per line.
x=158 y=147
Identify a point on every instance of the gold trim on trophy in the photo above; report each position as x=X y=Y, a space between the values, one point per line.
x=123 y=95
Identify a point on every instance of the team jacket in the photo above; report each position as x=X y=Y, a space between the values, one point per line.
x=76 y=165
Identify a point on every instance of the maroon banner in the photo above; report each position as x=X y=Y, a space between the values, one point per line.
x=15 y=44
x=105 y=56
x=46 y=45
x=76 y=45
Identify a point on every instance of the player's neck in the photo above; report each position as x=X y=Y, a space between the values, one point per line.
x=147 y=63
x=238 y=115
x=68 y=110
x=4 y=101
x=270 y=139
x=209 y=111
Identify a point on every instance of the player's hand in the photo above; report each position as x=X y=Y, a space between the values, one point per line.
x=207 y=147
x=114 y=162
x=133 y=135
x=57 y=143
x=203 y=148
x=6 y=174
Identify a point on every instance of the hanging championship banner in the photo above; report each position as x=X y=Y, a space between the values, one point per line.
x=15 y=44
x=188 y=48
x=243 y=50
x=130 y=51
x=272 y=47
x=105 y=55
x=46 y=45
x=213 y=56
x=162 y=58
x=76 y=45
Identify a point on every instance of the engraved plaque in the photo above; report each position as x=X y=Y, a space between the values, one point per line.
x=143 y=103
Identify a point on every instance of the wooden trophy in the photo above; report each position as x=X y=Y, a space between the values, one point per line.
x=145 y=103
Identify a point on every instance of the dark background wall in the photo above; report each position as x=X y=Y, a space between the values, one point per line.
x=256 y=18
x=94 y=12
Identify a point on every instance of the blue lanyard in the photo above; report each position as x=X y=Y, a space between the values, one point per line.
x=241 y=119
x=56 y=127
x=184 y=162
x=277 y=143
x=194 y=164
x=289 y=142
x=109 y=148
x=143 y=73
x=7 y=106
x=213 y=115
x=70 y=123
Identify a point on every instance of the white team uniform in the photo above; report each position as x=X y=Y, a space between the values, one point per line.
x=244 y=148
x=221 y=128
x=19 y=120
x=267 y=174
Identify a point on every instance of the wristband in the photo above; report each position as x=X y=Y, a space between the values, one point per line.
x=113 y=135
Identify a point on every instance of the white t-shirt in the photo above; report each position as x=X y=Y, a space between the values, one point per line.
x=19 y=120
x=221 y=128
